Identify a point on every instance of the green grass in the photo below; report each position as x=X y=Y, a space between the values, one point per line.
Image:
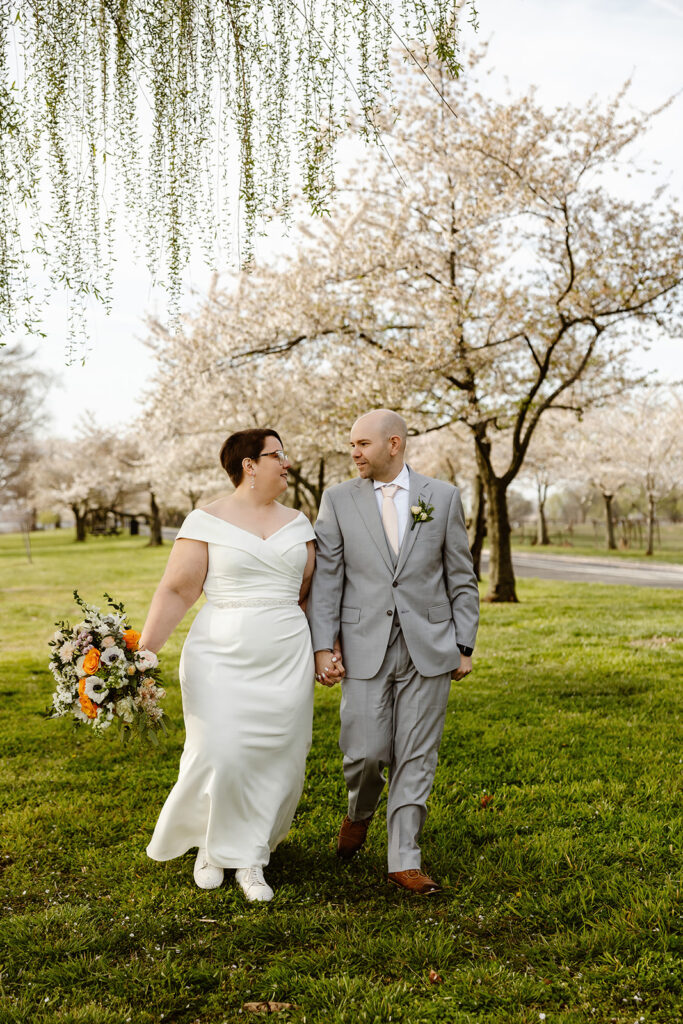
x=563 y=894
x=587 y=541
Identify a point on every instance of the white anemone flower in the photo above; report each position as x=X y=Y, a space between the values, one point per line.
x=95 y=689
x=112 y=655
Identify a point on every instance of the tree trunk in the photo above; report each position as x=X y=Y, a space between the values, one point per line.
x=314 y=490
x=321 y=483
x=477 y=530
x=296 y=493
x=651 y=516
x=501 y=573
x=609 y=523
x=541 y=524
x=80 y=523
x=155 y=538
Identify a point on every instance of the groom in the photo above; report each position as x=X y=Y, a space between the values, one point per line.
x=394 y=587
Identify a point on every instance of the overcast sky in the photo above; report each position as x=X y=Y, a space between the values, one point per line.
x=568 y=50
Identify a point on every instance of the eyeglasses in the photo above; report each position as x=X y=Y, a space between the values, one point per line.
x=279 y=455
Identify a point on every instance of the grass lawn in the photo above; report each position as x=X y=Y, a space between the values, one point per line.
x=563 y=898
x=588 y=541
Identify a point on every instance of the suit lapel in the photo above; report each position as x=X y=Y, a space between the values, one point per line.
x=419 y=488
x=364 y=497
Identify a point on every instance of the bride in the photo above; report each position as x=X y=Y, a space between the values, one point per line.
x=246 y=670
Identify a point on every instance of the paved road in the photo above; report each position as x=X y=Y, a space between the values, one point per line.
x=594 y=570
x=578 y=569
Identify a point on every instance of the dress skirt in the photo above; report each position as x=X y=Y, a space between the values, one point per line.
x=246 y=675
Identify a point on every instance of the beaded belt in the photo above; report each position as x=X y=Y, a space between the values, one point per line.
x=257 y=602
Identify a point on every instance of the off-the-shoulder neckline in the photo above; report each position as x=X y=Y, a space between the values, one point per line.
x=250 y=532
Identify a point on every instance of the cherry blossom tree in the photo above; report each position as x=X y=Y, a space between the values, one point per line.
x=655 y=449
x=547 y=461
x=200 y=395
x=84 y=475
x=642 y=445
x=594 y=452
x=22 y=393
x=500 y=278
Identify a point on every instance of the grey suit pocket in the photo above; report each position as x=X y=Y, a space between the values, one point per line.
x=439 y=613
x=349 y=614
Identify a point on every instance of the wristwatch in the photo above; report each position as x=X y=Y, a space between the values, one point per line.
x=467 y=651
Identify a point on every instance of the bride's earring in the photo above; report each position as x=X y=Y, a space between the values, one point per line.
x=253 y=481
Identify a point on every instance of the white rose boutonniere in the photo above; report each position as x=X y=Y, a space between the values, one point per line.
x=421 y=513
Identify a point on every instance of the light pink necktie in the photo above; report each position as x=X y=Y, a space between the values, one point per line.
x=390 y=515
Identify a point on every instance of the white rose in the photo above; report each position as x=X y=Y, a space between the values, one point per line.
x=415 y=509
x=79 y=665
x=146 y=660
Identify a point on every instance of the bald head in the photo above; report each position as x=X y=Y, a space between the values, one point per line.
x=378 y=443
x=383 y=423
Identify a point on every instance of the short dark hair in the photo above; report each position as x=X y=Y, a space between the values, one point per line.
x=244 y=444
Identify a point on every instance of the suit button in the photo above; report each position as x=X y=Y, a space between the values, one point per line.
x=394 y=584
x=390 y=613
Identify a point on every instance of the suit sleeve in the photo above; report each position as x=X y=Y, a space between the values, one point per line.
x=461 y=580
x=327 y=585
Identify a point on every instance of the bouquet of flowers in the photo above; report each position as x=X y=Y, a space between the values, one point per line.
x=102 y=674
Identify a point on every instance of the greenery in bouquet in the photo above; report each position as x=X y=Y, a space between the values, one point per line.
x=103 y=676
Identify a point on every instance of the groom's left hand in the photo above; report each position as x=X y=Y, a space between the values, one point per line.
x=463 y=669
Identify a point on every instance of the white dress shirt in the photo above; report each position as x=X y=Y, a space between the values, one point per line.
x=401 y=499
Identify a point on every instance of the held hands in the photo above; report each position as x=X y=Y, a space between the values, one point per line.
x=328 y=667
x=463 y=669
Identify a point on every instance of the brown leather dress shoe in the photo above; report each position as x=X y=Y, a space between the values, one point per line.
x=414 y=881
x=351 y=836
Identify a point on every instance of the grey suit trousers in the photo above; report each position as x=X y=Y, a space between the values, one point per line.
x=394 y=720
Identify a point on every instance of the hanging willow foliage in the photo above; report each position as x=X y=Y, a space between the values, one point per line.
x=167 y=110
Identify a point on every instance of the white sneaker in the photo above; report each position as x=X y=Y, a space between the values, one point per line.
x=254 y=885
x=206 y=874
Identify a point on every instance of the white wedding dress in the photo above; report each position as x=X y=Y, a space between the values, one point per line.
x=246 y=674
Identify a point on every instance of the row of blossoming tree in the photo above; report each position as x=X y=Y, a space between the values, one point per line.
x=493 y=275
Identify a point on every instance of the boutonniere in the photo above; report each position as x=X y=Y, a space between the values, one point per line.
x=421 y=513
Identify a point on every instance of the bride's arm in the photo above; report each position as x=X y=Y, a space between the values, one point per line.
x=178 y=590
x=308 y=573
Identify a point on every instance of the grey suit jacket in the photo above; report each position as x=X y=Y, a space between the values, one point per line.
x=358 y=587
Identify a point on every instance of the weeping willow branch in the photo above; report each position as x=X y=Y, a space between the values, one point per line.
x=179 y=121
